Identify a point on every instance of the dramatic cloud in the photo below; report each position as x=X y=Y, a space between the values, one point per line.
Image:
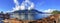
x=31 y=7
x=22 y=6
x=16 y=2
x=16 y=5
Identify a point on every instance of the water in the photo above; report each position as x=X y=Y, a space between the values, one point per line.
x=36 y=16
x=1 y=20
x=40 y=16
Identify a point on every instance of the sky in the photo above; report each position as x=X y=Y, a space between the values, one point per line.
x=40 y=5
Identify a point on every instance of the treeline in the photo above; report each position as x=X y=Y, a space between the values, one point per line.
x=55 y=12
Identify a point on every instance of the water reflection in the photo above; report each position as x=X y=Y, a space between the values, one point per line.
x=39 y=16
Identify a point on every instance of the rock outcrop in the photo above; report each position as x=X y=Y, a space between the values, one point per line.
x=51 y=19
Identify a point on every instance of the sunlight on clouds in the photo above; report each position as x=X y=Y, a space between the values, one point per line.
x=16 y=5
x=22 y=6
x=16 y=2
x=31 y=7
x=49 y=10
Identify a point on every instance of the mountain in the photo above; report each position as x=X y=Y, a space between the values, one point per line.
x=33 y=12
x=28 y=11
